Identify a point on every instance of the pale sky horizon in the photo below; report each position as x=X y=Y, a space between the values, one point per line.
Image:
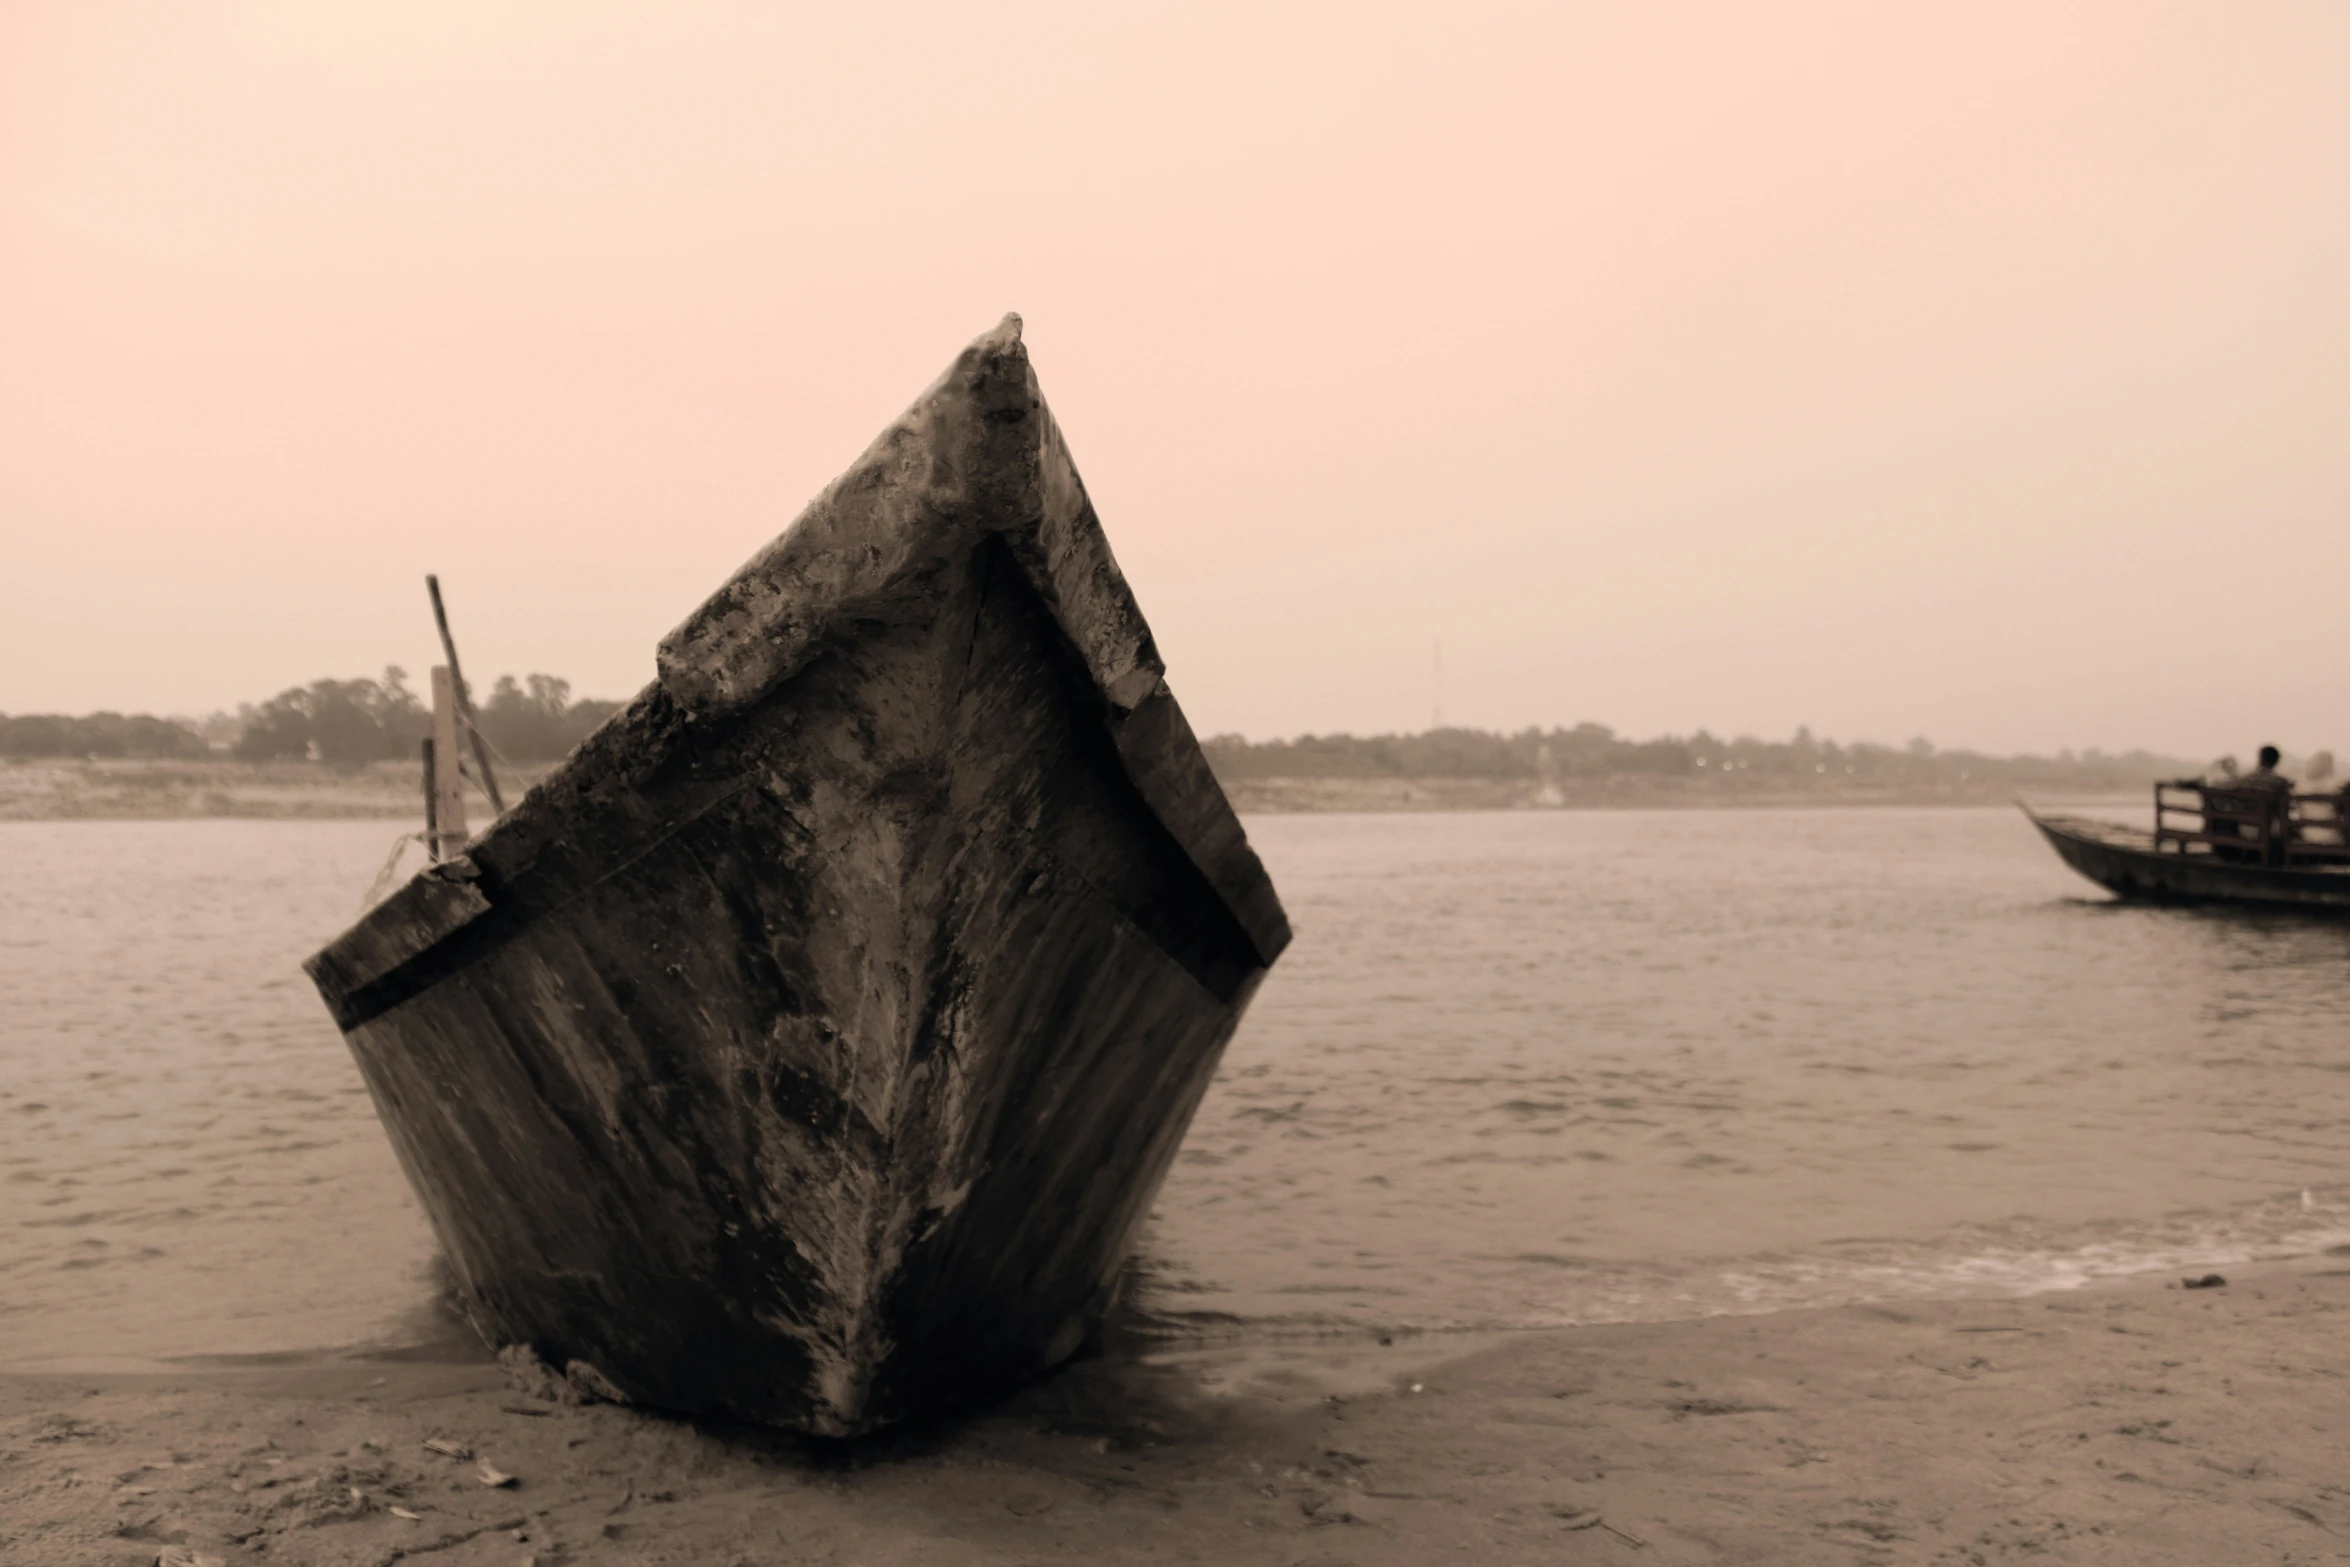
x=1977 y=371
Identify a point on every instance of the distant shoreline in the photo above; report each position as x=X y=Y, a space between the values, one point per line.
x=1619 y=792
x=308 y=791
x=164 y=790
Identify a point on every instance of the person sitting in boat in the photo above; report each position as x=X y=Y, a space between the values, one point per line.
x=2252 y=806
x=2248 y=806
x=2265 y=777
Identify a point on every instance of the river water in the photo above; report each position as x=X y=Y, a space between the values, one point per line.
x=1518 y=1069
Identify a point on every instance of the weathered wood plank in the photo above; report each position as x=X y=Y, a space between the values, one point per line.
x=417 y=918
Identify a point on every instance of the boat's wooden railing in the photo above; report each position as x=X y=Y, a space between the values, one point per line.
x=2251 y=826
x=2321 y=830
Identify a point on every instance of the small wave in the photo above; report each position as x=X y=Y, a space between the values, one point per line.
x=257 y=1359
x=1985 y=1260
x=1541 y=1289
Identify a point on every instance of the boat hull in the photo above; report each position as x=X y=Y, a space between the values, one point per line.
x=808 y=1049
x=2125 y=863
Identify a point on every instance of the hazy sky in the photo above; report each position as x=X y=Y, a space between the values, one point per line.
x=1979 y=370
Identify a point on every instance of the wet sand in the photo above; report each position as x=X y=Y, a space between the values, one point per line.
x=2138 y=1424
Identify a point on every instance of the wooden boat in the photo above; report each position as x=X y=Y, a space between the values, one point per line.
x=808 y=1048
x=2213 y=843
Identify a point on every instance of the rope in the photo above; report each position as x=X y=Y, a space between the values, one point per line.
x=383 y=878
x=466 y=771
x=491 y=746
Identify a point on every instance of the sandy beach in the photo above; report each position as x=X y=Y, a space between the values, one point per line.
x=2144 y=1423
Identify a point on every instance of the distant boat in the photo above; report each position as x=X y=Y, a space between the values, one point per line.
x=2215 y=844
x=809 y=1046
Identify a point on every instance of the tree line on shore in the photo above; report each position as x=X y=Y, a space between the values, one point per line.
x=99 y=734
x=341 y=723
x=1560 y=755
x=349 y=723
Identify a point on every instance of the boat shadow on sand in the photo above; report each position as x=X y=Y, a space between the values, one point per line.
x=1141 y=1380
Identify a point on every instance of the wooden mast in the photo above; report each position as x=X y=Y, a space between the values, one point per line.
x=464 y=705
x=432 y=807
x=445 y=814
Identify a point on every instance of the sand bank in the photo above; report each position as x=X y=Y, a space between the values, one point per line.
x=2145 y=1424
x=163 y=791
x=171 y=790
x=269 y=791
